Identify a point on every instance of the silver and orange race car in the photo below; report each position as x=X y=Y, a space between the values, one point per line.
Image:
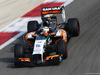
x=47 y=41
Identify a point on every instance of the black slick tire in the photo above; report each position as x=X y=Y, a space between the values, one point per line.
x=62 y=48
x=18 y=53
x=74 y=27
x=32 y=26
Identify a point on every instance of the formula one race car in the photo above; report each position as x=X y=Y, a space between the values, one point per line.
x=47 y=41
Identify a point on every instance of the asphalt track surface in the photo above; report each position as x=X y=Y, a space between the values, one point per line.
x=84 y=51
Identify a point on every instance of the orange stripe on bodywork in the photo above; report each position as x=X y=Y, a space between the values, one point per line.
x=58 y=40
x=63 y=36
x=33 y=34
x=51 y=12
x=27 y=36
x=52 y=33
x=25 y=59
x=48 y=57
x=29 y=42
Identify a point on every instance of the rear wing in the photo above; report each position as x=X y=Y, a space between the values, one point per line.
x=54 y=10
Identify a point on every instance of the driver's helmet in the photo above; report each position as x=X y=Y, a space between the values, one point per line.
x=46 y=30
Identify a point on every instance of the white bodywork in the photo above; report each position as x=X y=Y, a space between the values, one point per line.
x=63 y=15
x=30 y=35
x=39 y=48
x=58 y=33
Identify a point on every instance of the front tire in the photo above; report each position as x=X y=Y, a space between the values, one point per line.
x=61 y=48
x=18 y=53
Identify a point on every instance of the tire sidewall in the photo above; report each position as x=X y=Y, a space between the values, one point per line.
x=62 y=48
x=32 y=26
x=18 y=51
x=74 y=26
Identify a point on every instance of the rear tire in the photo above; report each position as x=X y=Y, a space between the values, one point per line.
x=62 y=48
x=32 y=26
x=74 y=27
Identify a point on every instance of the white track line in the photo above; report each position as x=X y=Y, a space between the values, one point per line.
x=21 y=24
x=11 y=40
